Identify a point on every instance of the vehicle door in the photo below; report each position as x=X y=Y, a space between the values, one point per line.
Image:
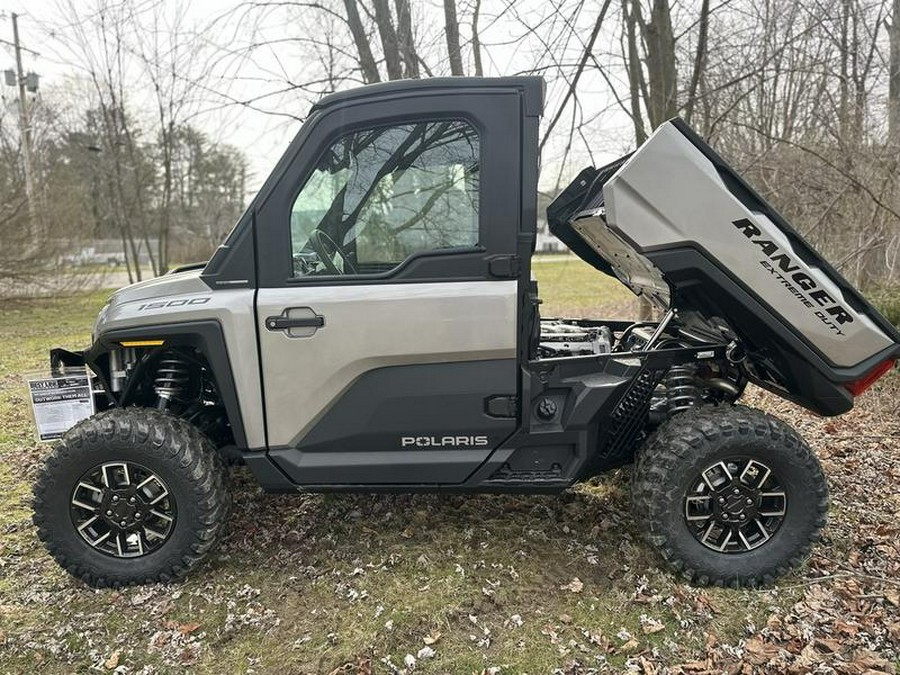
x=386 y=309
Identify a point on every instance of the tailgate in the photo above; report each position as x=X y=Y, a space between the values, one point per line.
x=675 y=223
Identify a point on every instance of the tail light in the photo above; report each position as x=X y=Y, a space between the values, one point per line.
x=859 y=386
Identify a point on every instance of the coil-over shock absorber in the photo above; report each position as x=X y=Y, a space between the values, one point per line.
x=172 y=379
x=682 y=392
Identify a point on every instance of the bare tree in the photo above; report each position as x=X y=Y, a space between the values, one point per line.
x=407 y=39
x=168 y=55
x=390 y=43
x=894 y=77
x=636 y=86
x=662 y=72
x=476 y=40
x=363 y=41
x=451 y=31
x=699 y=62
x=366 y=60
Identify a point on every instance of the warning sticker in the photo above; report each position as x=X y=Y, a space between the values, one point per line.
x=59 y=403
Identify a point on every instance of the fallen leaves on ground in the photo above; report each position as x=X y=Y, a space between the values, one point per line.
x=361 y=584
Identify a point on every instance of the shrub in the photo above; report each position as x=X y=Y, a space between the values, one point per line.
x=887 y=300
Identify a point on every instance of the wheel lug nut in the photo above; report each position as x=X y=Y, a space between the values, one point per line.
x=138 y=515
x=724 y=516
x=749 y=501
x=115 y=498
x=721 y=500
x=131 y=500
x=737 y=491
x=743 y=517
x=123 y=523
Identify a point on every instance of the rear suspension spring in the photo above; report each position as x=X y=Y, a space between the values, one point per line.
x=682 y=392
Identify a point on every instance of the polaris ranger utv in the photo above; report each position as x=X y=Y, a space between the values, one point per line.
x=371 y=324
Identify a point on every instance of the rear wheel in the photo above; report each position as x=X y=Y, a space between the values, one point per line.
x=729 y=495
x=131 y=496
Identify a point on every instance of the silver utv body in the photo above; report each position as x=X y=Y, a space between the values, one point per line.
x=431 y=373
x=371 y=324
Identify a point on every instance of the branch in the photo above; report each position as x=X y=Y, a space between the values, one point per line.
x=586 y=54
x=699 y=62
x=843 y=172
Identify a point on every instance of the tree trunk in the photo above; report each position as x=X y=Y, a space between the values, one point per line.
x=661 y=68
x=389 y=42
x=699 y=62
x=131 y=278
x=894 y=79
x=476 y=39
x=859 y=83
x=165 y=220
x=123 y=219
x=140 y=202
x=165 y=225
x=407 y=44
x=658 y=91
x=366 y=60
x=451 y=29
x=635 y=73
x=844 y=87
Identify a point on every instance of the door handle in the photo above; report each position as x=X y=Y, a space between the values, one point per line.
x=286 y=323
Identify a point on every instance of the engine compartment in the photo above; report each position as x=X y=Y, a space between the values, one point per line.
x=701 y=380
x=569 y=337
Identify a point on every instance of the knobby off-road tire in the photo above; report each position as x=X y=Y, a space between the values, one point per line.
x=147 y=443
x=677 y=456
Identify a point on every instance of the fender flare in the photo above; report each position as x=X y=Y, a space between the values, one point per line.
x=206 y=337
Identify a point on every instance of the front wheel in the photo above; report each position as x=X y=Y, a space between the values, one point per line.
x=131 y=496
x=730 y=495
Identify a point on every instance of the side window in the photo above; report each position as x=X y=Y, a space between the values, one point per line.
x=381 y=195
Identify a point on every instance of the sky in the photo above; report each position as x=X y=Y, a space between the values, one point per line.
x=237 y=70
x=261 y=137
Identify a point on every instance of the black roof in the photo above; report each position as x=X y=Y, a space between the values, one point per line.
x=532 y=87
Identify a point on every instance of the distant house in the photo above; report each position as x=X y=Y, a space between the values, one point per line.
x=107 y=252
x=546 y=241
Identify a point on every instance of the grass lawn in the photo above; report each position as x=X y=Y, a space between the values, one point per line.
x=570 y=287
x=459 y=584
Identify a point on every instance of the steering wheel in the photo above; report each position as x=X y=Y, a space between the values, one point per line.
x=320 y=242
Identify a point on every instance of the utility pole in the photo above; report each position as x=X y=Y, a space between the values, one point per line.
x=25 y=130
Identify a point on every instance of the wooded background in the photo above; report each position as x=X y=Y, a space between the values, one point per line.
x=801 y=96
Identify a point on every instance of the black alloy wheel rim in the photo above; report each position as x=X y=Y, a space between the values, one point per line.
x=735 y=505
x=122 y=509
